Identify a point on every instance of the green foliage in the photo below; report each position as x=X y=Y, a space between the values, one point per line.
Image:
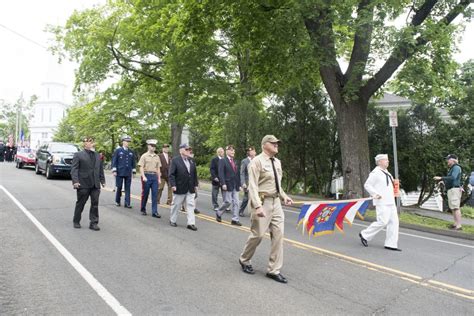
x=215 y=67
x=467 y=211
x=9 y=114
x=203 y=172
x=423 y=140
x=304 y=121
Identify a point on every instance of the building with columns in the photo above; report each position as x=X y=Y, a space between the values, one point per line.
x=50 y=107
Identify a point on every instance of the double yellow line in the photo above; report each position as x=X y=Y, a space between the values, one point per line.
x=441 y=286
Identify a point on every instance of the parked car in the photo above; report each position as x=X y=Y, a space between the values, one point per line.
x=25 y=157
x=55 y=159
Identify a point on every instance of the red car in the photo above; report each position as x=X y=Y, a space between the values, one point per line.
x=25 y=157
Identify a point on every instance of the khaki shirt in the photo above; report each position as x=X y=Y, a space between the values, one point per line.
x=262 y=179
x=150 y=162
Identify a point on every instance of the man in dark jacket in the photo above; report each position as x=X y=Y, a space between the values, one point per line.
x=165 y=160
x=87 y=173
x=214 y=168
x=2 y=151
x=184 y=182
x=229 y=177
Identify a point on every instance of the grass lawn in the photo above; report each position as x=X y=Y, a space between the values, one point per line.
x=467 y=211
x=415 y=219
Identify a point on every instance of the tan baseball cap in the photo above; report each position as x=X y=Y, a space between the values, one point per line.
x=270 y=139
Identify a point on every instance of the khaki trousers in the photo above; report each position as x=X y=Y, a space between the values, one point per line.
x=160 y=190
x=274 y=222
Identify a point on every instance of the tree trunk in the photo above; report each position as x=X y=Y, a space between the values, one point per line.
x=176 y=131
x=353 y=138
x=112 y=149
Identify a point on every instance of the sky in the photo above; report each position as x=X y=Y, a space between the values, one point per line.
x=24 y=63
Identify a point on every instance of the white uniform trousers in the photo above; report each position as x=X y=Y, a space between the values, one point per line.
x=386 y=217
x=178 y=200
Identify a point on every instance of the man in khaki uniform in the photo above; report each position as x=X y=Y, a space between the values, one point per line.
x=265 y=193
x=150 y=174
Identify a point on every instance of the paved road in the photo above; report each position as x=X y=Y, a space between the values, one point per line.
x=140 y=265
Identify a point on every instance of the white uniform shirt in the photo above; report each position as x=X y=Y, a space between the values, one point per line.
x=380 y=182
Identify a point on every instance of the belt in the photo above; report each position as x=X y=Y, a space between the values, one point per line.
x=266 y=195
x=150 y=172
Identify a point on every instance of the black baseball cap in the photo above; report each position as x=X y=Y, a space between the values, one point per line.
x=451 y=156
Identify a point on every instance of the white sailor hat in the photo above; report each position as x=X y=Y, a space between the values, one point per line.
x=380 y=157
x=126 y=138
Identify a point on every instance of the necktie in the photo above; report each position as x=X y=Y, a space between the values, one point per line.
x=188 y=166
x=275 y=175
x=92 y=157
x=233 y=164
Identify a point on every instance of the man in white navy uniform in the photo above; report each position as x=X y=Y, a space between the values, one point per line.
x=380 y=187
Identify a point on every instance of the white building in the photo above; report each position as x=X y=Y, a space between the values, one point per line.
x=394 y=102
x=50 y=107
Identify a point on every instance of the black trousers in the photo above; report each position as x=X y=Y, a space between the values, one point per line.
x=82 y=197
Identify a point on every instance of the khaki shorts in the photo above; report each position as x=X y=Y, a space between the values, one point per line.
x=454 y=198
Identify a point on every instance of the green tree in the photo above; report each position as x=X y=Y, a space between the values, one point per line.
x=9 y=114
x=291 y=38
x=142 y=43
x=305 y=121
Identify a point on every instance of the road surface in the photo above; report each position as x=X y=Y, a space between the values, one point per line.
x=140 y=265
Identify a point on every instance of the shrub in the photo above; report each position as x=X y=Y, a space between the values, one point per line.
x=203 y=172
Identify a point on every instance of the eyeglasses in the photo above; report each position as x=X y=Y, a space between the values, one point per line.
x=188 y=149
x=274 y=143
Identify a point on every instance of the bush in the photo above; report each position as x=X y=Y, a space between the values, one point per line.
x=203 y=172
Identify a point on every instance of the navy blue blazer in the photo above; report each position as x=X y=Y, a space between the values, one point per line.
x=214 y=168
x=180 y=178
x=228 y=176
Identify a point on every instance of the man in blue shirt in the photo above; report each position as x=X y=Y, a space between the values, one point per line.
x=123 y=165
x=452 y=183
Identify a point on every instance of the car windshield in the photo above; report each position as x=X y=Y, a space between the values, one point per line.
x=64 y=148
x=26 y=150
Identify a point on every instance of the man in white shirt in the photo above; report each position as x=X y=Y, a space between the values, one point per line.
x=380 y=187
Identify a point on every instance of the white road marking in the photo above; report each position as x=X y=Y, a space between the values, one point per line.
x=401 y=233
x=118 y=308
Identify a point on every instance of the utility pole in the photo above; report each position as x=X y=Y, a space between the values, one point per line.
x=393 y=119
x=18 y=119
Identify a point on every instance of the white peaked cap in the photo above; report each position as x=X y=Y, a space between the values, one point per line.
x=380 y=157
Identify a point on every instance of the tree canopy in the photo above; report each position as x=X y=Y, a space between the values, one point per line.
x=234 y=70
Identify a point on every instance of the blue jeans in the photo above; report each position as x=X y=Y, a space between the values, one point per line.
x=151 y=183
x=118 y=192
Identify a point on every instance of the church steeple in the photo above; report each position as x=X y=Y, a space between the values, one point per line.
x=50 y=107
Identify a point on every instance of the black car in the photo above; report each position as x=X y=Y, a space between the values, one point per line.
x=55 y=159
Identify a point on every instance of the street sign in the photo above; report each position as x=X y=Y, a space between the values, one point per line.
x=392 y=115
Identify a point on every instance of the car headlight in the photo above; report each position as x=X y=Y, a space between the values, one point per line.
x=56 y=159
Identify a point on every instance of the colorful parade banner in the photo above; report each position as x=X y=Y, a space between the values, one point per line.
x=322 y=217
